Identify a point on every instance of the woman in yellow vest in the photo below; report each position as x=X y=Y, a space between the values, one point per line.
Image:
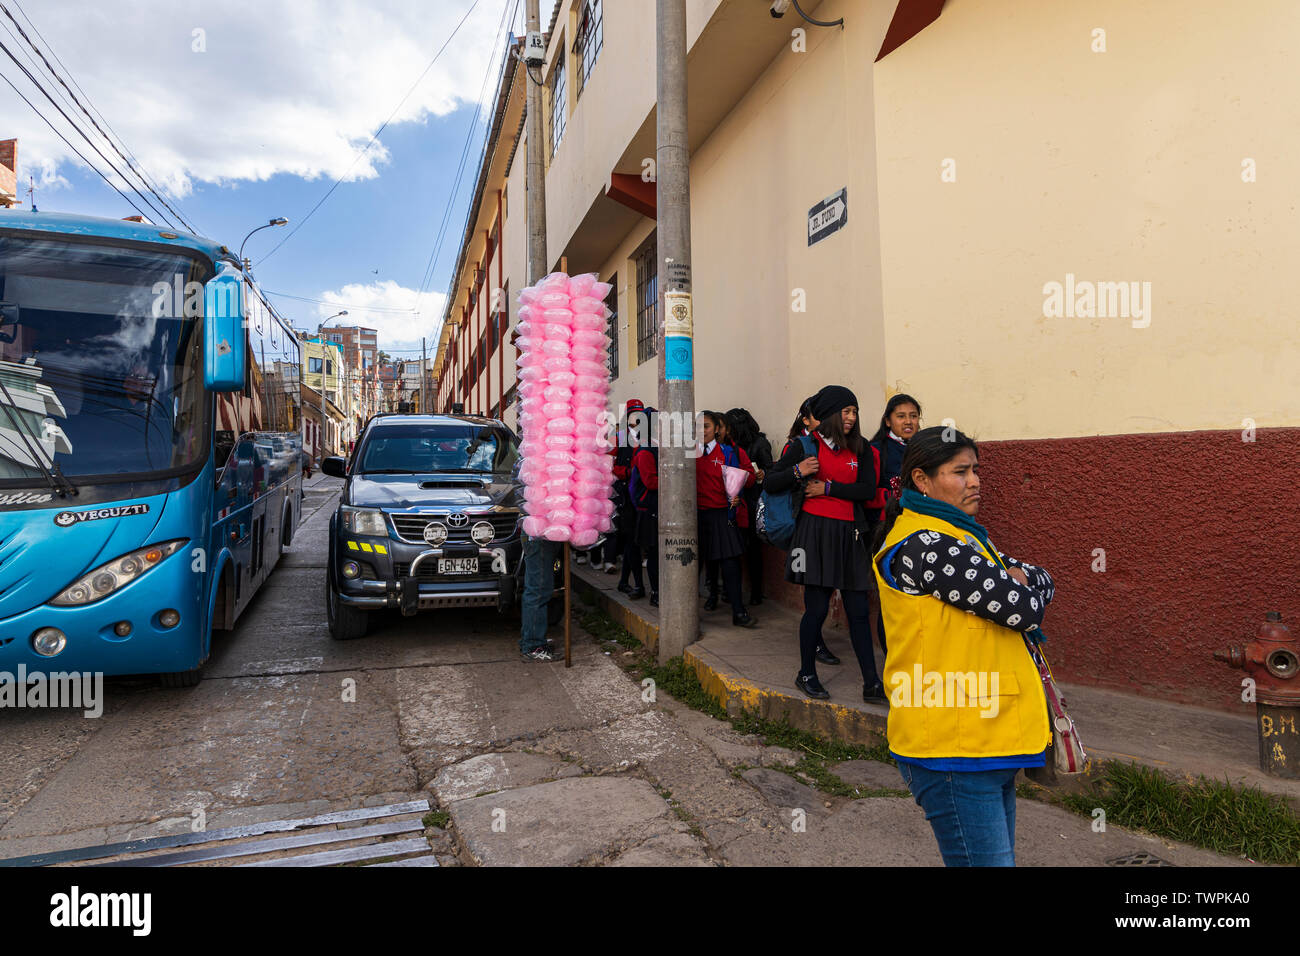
x=967 y=709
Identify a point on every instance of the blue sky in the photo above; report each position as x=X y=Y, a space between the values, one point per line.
x=251 y=109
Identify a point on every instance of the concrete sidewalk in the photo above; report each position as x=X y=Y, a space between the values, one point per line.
x=754 y=670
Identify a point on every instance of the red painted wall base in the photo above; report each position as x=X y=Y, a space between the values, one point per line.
x=1196 y=532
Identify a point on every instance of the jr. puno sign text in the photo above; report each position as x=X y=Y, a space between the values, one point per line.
x=829 y=215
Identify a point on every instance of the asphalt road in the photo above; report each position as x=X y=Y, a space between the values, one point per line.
x=535 y=763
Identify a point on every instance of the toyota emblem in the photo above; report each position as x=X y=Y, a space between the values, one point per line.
x=458 y=520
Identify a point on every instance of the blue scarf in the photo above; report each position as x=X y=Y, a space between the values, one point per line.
x=913 y=500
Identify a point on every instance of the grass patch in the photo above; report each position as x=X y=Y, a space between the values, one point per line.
x=436 y=818
x=1207 y=813
x=603 y=629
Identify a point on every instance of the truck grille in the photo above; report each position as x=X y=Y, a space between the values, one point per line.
x=411 y=527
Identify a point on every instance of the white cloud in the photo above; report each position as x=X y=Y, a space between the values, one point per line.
x=399 y=331
x=282 y=86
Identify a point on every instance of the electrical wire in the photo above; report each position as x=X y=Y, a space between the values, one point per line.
x=817 y=23
x=451 y=199
x=111 y=184
x=341 y=305
x=132 y=165
x=373 y=139
x=36 y=83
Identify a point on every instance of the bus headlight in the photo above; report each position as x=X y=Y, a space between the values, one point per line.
x=49 y=641
x=364 y=521
x=98 y=583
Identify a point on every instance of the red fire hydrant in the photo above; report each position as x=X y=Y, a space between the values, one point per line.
x=1272 y=660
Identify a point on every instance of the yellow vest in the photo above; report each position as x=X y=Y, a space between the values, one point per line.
x=959 y=685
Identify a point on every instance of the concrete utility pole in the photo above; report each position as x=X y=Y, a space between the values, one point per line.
x=679 y=548
x=537 y=266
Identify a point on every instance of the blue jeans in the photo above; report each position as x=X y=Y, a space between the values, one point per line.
x=972 y=812
x=539 y=584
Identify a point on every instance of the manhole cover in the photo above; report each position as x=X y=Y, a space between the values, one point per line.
x=1138 y=859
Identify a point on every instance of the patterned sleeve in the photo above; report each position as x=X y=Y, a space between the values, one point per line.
x=958 y=574
x=1038 y=577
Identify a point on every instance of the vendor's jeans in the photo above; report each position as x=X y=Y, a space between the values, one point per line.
x=539 y=584
x=972 y=812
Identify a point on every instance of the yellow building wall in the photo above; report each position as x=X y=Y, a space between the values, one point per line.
x=1123 y=165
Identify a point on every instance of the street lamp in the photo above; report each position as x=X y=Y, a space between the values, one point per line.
x=321 y=390
x=278 y=221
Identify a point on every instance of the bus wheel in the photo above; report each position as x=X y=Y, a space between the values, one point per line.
x=345 y=623
x=182 y=678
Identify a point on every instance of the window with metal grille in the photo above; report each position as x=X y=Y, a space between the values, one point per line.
x=591 y=36
x=647 y=299
x=611 y=303
x=559 y=100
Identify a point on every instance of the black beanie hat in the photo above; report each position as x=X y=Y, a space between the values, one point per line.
x=830 y=400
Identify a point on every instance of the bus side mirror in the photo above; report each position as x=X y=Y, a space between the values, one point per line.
x=224 y=334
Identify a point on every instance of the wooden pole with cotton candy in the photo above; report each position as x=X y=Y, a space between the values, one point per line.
x=564 y=388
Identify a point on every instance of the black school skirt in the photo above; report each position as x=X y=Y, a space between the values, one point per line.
x=647 y=532
x=719 y=538
x=828 y=554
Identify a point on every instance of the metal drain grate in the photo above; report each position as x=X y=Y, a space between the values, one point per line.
x=1138 y=859
x=398 y=841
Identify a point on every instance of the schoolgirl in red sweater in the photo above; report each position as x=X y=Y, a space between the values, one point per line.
x=720 y=538
x=830 y=548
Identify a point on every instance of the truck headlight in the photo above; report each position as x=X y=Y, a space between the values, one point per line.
x=98 y=583
x=483 y=533
x=364 y=521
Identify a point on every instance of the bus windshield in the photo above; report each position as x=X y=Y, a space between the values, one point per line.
x=420 y=449
x=101 y=372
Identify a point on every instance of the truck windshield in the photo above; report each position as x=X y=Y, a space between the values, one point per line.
x=101 y=372
x=420 y=449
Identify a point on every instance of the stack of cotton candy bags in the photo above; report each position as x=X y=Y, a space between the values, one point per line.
x=563 y=387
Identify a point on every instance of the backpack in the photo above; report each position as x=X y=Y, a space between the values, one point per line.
x=638 y=492
x=774 y=521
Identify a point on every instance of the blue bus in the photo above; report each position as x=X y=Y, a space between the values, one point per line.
x=150 y=445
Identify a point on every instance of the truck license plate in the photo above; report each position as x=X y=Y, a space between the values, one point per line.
x=458 y=565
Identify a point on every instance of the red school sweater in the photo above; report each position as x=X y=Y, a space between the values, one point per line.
x=840 y=465
x=710 y=492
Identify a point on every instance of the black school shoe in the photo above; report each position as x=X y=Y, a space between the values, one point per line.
x=711 y=602
x=636 y=593
x=654 y=598
x=811 y=686
x=743 y=620
x=875 y=694
x=825 y=656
